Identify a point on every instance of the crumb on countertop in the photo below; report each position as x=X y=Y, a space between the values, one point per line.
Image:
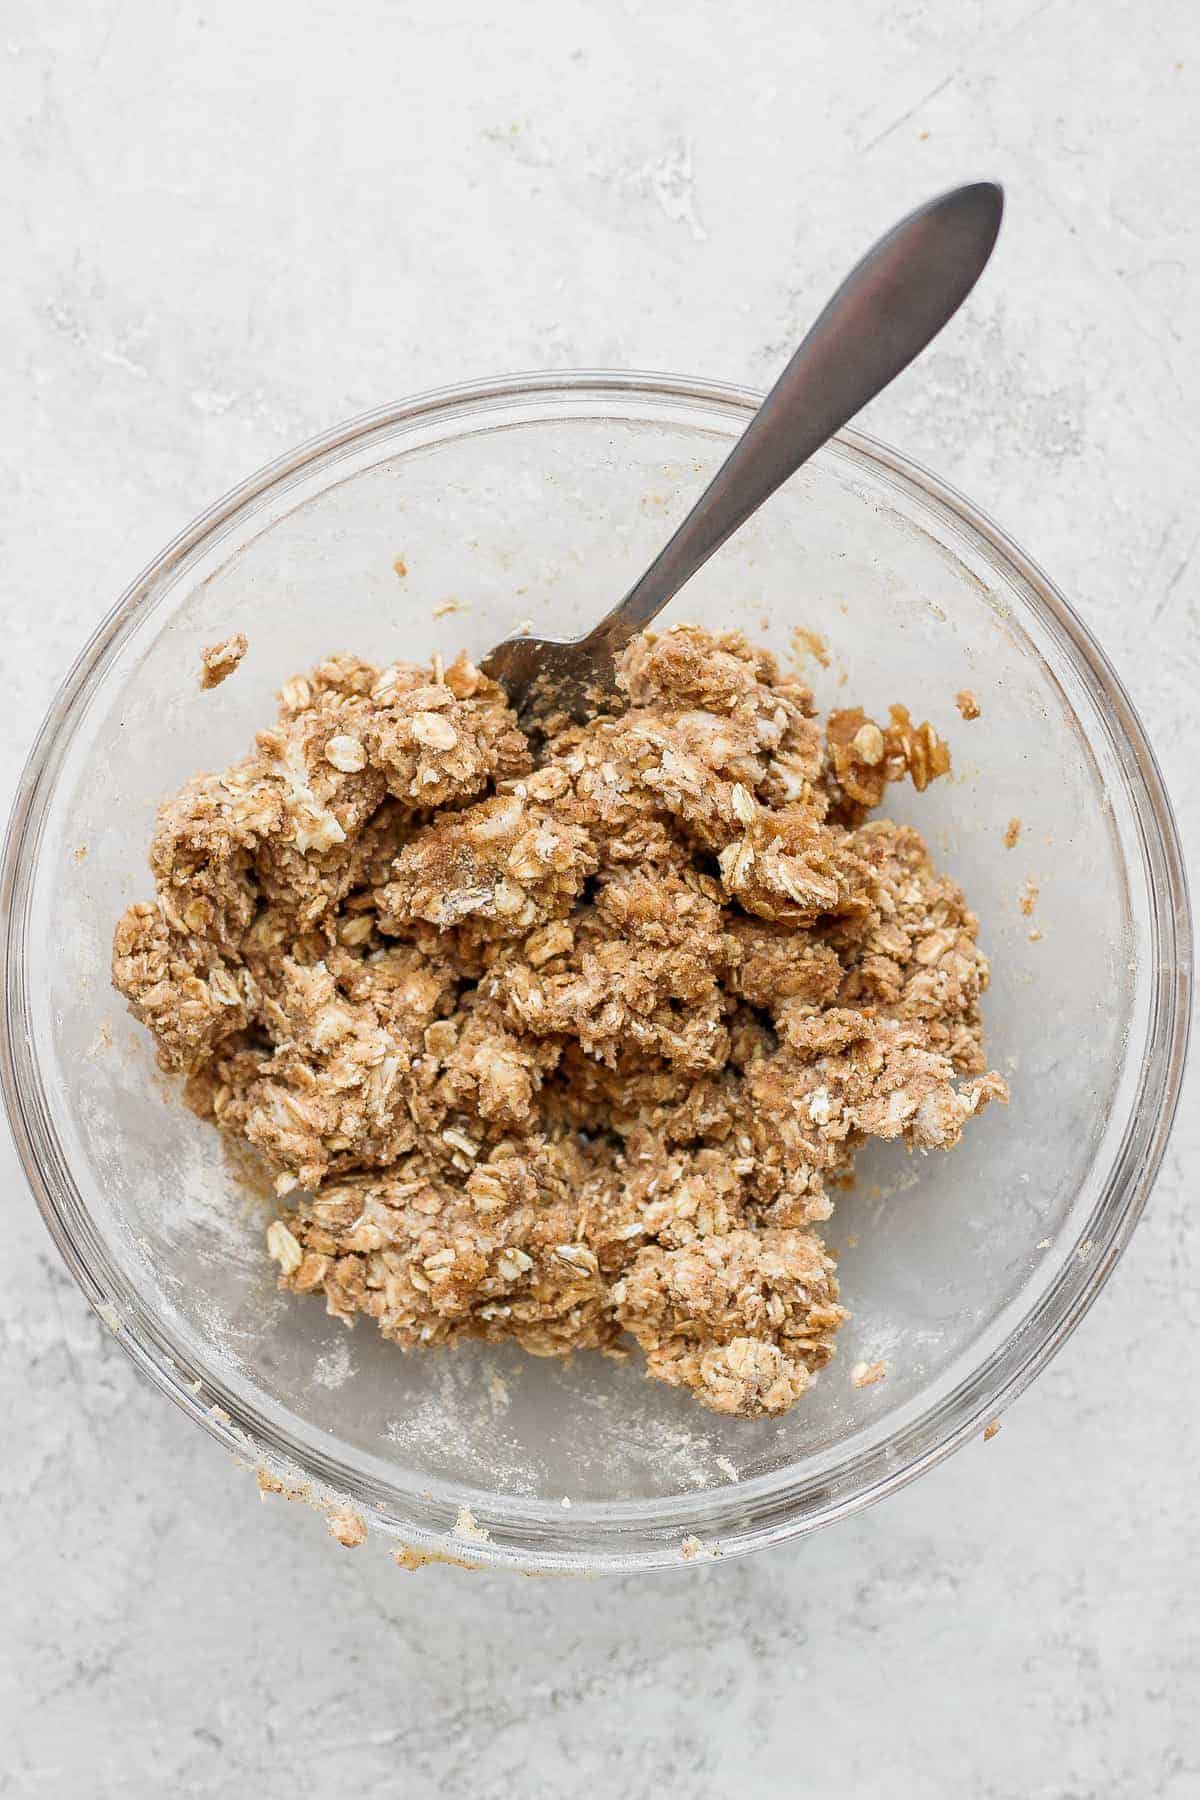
x=270 y=1483
x=400 y=566
x=348 y=1527
x=1012 y=832
x=966 y=703
x=989 y=1431
x=1029 y=897
x=220 y=660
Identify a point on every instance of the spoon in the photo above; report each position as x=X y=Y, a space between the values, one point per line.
x=885 y=312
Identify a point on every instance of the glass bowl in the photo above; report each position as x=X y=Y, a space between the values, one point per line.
x=541 y=498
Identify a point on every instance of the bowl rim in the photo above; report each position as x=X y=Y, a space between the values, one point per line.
x=753 y=1512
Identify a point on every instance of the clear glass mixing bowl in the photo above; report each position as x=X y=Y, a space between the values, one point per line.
x=541 y=498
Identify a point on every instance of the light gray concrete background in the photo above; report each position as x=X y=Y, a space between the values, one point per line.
x=225 y=226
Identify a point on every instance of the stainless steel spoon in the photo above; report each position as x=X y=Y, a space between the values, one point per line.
x=885 y=312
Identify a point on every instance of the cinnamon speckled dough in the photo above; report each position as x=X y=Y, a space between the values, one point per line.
x=564 y=1043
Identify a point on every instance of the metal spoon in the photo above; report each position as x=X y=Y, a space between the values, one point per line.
x=885 y=312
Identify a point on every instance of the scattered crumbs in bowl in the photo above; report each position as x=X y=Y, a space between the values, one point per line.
x=220 y=660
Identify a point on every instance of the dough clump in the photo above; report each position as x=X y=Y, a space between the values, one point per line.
x=566 y=1038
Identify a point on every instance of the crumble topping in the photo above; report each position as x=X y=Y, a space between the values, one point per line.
x=566 y=1039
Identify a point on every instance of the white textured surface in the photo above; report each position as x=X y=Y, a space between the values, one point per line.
x=223 y=227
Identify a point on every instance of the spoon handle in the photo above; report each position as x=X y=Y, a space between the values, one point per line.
x=883 y=315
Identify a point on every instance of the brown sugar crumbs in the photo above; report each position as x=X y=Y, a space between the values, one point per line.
x=566 y=1040
x=220 y=660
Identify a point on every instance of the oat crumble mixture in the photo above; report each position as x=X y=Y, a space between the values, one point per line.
x=566 y=1038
